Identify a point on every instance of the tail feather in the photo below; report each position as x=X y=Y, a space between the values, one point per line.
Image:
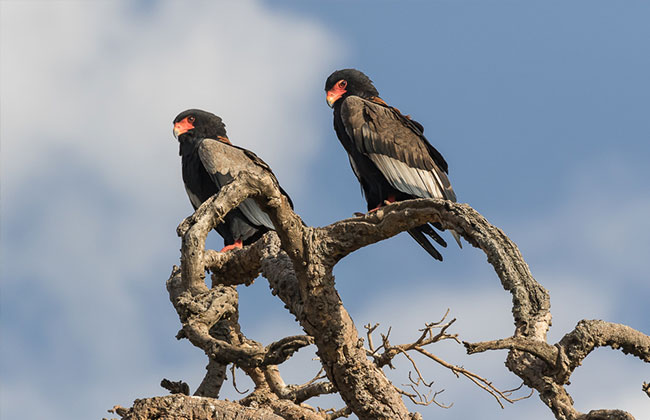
x=457 y=238
x=426 y=228
x=417 y=234
x=453 y=233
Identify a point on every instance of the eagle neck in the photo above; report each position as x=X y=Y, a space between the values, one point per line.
x=188 y=145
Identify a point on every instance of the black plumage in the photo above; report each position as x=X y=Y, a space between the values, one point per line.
x=209 y=161
x=388 y=152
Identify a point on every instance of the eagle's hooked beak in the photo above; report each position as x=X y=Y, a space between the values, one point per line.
x=183 y=126
x=335 y=94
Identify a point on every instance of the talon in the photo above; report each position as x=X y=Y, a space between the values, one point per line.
x=389 y=200
x=238 y=244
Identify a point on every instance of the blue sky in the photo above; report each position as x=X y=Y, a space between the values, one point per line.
x=540 y=108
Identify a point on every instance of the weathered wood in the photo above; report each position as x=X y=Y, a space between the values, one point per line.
x=298 y=262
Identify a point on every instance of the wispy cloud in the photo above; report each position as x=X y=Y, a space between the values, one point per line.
x=588 y=252
x=91 y=177
x=91 y=194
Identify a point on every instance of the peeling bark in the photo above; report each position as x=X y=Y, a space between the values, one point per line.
x=181 y=407
x=298 y=262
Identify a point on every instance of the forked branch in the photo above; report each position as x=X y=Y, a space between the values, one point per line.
x=428 y=337
x=298 y=263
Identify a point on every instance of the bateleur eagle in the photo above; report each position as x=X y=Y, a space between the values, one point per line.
x=388 y=151
x=209 y=161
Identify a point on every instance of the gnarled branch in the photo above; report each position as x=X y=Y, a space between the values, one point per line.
x=298 y=261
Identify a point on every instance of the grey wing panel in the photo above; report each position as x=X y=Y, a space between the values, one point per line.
x=254 y=213
x=224 y=162
x=241 y=229
x=224 y=158
x=209 y=152
x=266 y=168
x=398 y=152
x=218 y=160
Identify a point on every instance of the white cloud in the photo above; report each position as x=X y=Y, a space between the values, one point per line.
x=597 y=227
x=91 y=177
x=610 y=379
x=91 y=77
x=91 y=186
x=589 y=254
x=576 y=267
x=483 y=313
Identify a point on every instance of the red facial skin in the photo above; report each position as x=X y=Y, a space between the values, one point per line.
x=238 y=244
x=336 y=92
x=183 y=126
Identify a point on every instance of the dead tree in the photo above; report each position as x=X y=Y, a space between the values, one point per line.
x=298 y=261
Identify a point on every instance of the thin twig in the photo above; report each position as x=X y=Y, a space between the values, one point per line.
x=319 y=375
x=478 y=380
x=234 y=381
x=425 y=400
x=333 y=414
x=369 y=331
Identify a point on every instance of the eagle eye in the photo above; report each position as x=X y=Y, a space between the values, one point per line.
x=191 y=118
x=343 y=84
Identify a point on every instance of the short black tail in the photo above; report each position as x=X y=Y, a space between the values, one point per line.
x=418 y=234
x=453 y=233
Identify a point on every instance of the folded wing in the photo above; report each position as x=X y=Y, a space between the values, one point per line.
x=225 y=162
x=397 y=147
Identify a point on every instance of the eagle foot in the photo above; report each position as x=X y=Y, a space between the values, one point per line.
x=238 y=244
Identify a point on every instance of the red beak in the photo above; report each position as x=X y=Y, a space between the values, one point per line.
x=183 y=126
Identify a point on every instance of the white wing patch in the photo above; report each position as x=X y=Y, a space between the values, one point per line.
x=417 y=182
x=255 y=214
x=224 y=163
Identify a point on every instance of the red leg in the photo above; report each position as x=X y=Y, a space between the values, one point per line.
x=238 y=244
x=387 y=201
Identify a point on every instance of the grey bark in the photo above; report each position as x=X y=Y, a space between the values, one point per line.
x=298 y=263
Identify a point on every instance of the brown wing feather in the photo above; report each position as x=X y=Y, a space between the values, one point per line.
x=399 y=150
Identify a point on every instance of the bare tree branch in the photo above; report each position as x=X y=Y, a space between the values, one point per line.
x=539 y=348
x=530 y=300
x=182 y=406
x=175 y=387
x=589 y=334
x=298 y=262
x=336 y=414
x=213 y=380
x=296 y=393
x=569 y=353
x=427 y=337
